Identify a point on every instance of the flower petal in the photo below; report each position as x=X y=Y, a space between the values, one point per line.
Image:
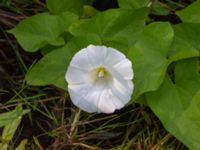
x=80 y=60
x=116 y=101
x=113 y=57
x=91 y=100
x=81 y=97
x=105 y=103
x=122 y=89
x=97 y=54
x=124 y=68
x=88 y=96
x=77 y=76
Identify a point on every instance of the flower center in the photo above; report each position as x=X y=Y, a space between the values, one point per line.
x=101 y=72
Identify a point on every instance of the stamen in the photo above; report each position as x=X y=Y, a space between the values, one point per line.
x=101 y=72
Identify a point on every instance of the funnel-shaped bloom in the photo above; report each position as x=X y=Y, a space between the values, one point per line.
x=100 y=79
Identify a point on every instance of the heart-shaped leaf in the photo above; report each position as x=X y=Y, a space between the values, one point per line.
x=152 y=54
x=113 y=25
x=42 y=29
x=178 y=104
x=149 y=56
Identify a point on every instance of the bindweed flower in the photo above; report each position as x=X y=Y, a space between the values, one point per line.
x=100 y=79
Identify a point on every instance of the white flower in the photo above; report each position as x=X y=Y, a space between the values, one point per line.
x=100 y=79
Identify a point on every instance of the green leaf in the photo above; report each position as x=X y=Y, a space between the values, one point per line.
x=9 y=130
x=7 y=117
x=178 y=105
x=22 y=145
x=191 y=13
x=113 y=25
x=42 y=29
x=11 y=121
x=89 y=11
x=149 y=57
x=60 y=6
x=181 y=49
x=4 y=146
x=152 y=54
x=52 y=67
x=36 y=141
x=66 y=19
x=190 y=32
x=133 y=4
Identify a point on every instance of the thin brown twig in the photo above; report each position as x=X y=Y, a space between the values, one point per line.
x=41 y=101
x=85 y=146
x=9 y=15
x=165 y=139
x=85 y=122
x=74 y=123
x=96 y=120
